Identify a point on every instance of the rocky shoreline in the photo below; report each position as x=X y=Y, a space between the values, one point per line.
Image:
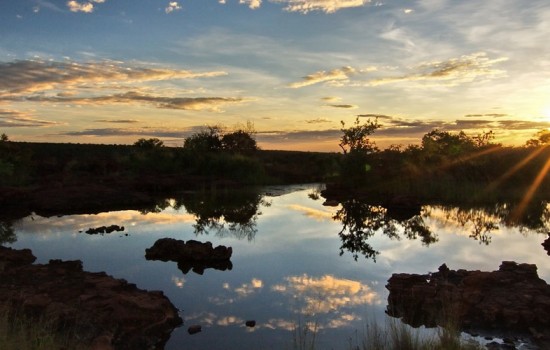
x=512 y=299
x=105 y=312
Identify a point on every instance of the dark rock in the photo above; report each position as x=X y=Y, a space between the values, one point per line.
x=513 y=299
x=104 y=229
x=546 y=245
x=250 y=323
x=191 y=255
x=105 y=312
x=194 y=329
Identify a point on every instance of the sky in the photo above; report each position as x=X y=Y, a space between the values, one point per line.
x=115 y=71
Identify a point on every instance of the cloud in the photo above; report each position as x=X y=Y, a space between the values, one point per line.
x=86 y=7
x=318 y=121
x=319 y=215
x=342 y=106
x=341 y=74
x=184 y=103
x=326 y=294
x=139 y=132
x=27 y=76
x=494 y=115
x=253 y=4
x=326 y=6
x=118 y=121
x=172 y=6
x=466 y=68
x=14 y=119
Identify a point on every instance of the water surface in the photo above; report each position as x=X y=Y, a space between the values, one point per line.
x=290 y=265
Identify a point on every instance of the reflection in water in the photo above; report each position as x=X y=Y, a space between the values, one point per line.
x=229 y=213
x=362 y=220
x=7 y=234
x=325 y=294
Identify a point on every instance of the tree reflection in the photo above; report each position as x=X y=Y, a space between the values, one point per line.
x=360 y=221
x=227 y=213
x=7 y=234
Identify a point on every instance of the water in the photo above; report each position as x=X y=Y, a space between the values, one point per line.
x=287 y=268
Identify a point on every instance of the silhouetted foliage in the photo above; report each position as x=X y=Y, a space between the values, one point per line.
x=7 y=234
x=227 y=213
x=357 y=147
x=205 y=141
x=149 y=143
x=542 y=139
x=362 y=220
x=239 y=142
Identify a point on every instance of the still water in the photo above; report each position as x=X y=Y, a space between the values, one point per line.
x=293 y=264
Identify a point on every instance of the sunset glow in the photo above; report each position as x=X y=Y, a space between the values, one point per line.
x=106 y=71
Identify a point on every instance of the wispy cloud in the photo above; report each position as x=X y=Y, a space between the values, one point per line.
x=184 y=103
x=118 y=121
x=494 y=115
x=340 y=74
x=453 y=71
x=86 y=7
x=326 y=6
x=12 y=119
x=466 y=68
x=24 y=76
x=345 y=106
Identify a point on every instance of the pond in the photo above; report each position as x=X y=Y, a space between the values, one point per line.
x=295 y=261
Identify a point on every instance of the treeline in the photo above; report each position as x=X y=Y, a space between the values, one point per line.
x=444 y=166
x=210 y=155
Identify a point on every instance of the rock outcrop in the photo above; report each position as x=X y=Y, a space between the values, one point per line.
x=512 y=299
x=105 y=312
x=191 y=255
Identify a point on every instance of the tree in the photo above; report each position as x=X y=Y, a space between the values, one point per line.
x=444 y=143
x=240 y=142
x=356 y=137
x=149 y=143
x=542 y=139
x=4 y=138
x=206 y=140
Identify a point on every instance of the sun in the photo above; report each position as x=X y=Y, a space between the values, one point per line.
x=546 y=112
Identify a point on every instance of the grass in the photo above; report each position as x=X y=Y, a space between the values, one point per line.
x=394 y=335
x=21 y=332
x=398 y=336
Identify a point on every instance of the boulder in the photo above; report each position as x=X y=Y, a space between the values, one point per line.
x=105 y=312
x=512 y=299
x=191 y=255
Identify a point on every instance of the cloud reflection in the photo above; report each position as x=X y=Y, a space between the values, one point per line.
x=326 y=294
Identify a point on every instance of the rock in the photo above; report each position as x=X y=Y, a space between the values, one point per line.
x=546 y=245
x=191 y=255
x=105 y=312
x=104 y=229
x=250 y=323
x=513 y=299
x=194 y=329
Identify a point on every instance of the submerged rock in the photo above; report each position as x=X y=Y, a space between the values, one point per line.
x=105 y=312
x=513 y=298
x=191 y=255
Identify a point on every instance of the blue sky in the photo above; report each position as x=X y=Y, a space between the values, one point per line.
x=113 y=71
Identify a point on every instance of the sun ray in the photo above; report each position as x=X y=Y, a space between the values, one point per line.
x=520 y=209
x=493 y=185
